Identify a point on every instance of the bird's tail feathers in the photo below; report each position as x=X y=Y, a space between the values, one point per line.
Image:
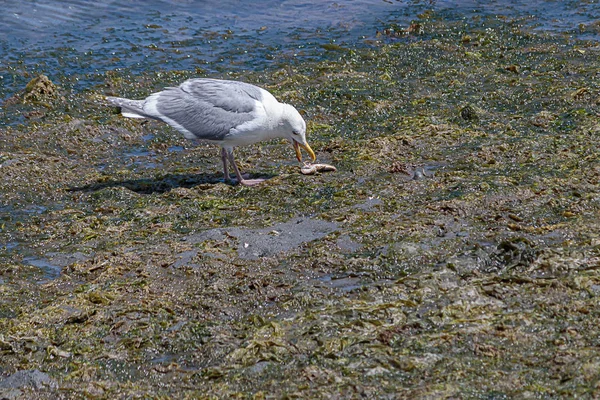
x=129 y=108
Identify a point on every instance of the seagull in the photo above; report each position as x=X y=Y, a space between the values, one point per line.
x=228 y=113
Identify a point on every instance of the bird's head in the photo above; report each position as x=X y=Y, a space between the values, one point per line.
x=295 y=130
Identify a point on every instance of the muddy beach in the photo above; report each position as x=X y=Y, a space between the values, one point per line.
x=455 y=252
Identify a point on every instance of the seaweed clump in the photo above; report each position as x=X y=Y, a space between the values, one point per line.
x=40 y=89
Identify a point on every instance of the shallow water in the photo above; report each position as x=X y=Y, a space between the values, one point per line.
x=82 y=38
x=75 y=42
x=50 y=271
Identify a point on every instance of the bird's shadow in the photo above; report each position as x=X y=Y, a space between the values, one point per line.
x=162 y=184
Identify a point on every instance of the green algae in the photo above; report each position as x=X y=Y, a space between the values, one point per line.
x=477 y=278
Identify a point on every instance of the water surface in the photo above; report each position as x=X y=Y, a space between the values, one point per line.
x=75 y=42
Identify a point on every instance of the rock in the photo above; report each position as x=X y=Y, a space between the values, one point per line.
x=269 y=242
x=469 y=113
x=40 y=89
x=260 y=367
x=11 y=394
x=377 y=371
x=33 y=379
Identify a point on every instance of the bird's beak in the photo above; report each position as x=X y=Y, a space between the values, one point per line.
x=306 y=147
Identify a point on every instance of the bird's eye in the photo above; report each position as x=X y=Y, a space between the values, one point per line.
x=295 y=133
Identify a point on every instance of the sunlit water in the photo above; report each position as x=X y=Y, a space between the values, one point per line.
x=75 y=42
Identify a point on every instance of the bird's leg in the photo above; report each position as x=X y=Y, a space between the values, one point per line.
x=241 y=180
x=226 y=177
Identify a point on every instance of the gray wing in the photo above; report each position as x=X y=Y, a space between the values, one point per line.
x=205 y=108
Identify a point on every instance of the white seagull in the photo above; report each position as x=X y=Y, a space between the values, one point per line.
x=228 y=113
